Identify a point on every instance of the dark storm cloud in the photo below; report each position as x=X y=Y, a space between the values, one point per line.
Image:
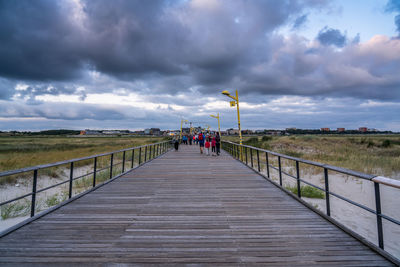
x=38 y=41
x=328 y=36
x=174 y=47
x=299 y=22
x=394 y=6
x=54 y=40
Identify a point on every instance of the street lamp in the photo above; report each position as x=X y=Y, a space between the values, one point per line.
x=182 y=121
x=217 y=117
x=235 y=103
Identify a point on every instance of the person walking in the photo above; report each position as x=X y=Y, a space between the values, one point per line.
x=201 y=142
x=207 y=146
x=213 y=144
x=176 y=143
x=184 y=139
x=218 y=143
x=190 y=139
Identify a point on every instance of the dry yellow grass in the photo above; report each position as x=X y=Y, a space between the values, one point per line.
x=20 y=152
x=372 y=154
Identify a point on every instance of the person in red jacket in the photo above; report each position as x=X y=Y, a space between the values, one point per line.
x=207 y=145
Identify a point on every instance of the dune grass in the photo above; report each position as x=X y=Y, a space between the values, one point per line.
x=372 y=154
x=19 y=152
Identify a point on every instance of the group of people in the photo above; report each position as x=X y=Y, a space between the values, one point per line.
x=205 y=142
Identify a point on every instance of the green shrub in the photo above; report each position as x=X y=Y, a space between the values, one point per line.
x=307 y=191
x=386 y=143
x=52 y=201
x=15 y=209
x=266 y=138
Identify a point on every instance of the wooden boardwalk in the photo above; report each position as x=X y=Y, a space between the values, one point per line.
x=185 y=208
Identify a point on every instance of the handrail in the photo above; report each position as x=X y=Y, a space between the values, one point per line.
x=155 y=150
x=233 y=149
x=387 y=181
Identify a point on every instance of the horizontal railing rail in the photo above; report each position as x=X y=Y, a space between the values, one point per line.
x=144 y=154
x=241 y=152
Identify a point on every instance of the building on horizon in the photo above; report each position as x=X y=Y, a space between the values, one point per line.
x=325 y=129
x=340 y=130
x=363 y=129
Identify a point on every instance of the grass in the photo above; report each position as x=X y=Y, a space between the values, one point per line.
x=307 y=191
x=372 y=154
x=15 y=209
x=20 y=152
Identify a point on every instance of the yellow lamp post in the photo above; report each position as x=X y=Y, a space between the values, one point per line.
x=182 y=121
x=219 y=128
x=233 y=103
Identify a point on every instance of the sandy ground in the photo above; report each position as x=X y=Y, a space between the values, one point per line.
x=24 y=186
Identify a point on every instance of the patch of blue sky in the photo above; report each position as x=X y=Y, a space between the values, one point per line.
x=365 y=17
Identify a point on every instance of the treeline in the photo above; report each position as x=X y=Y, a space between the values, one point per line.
x=46 y=132
x=318 y=131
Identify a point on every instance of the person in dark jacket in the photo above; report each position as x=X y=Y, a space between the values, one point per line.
x=218 y=143
x=176 y=143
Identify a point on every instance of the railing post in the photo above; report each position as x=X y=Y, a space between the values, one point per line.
x=378 y=215
x=258 y=160
x=267 y=162
x=33 y=203
x=246 y=155
x=123 y=162
x=111 y=164
x=94 y=171
x=328 y=205
x=71 y=175
x=280 y=170
x=237 y=151
x=251 y=157
x=145 y=153
x=133 y=157
x=298 y=179
x=140 y=155
x=154 y=151
x=150 y=151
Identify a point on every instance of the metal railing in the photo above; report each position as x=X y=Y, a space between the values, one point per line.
x=245 y=153
x=112 y=164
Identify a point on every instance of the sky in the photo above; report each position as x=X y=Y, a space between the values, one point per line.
x=126 y=64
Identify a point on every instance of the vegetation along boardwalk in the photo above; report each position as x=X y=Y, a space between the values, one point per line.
x=185 y=208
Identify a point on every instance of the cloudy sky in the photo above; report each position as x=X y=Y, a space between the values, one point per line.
x=119 y=64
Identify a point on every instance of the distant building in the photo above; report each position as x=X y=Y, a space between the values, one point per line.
x=291 y=129
x=155 y=131
x=339 y=130
x=325 y=129
x=363 y=129
x=90 y=132
x=232 y=131
x=111 y=132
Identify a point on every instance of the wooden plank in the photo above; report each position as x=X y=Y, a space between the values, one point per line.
x=185 y=208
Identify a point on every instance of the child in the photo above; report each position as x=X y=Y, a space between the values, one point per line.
x=207 y=146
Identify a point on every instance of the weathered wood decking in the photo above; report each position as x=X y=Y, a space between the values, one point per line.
x=185 y=208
